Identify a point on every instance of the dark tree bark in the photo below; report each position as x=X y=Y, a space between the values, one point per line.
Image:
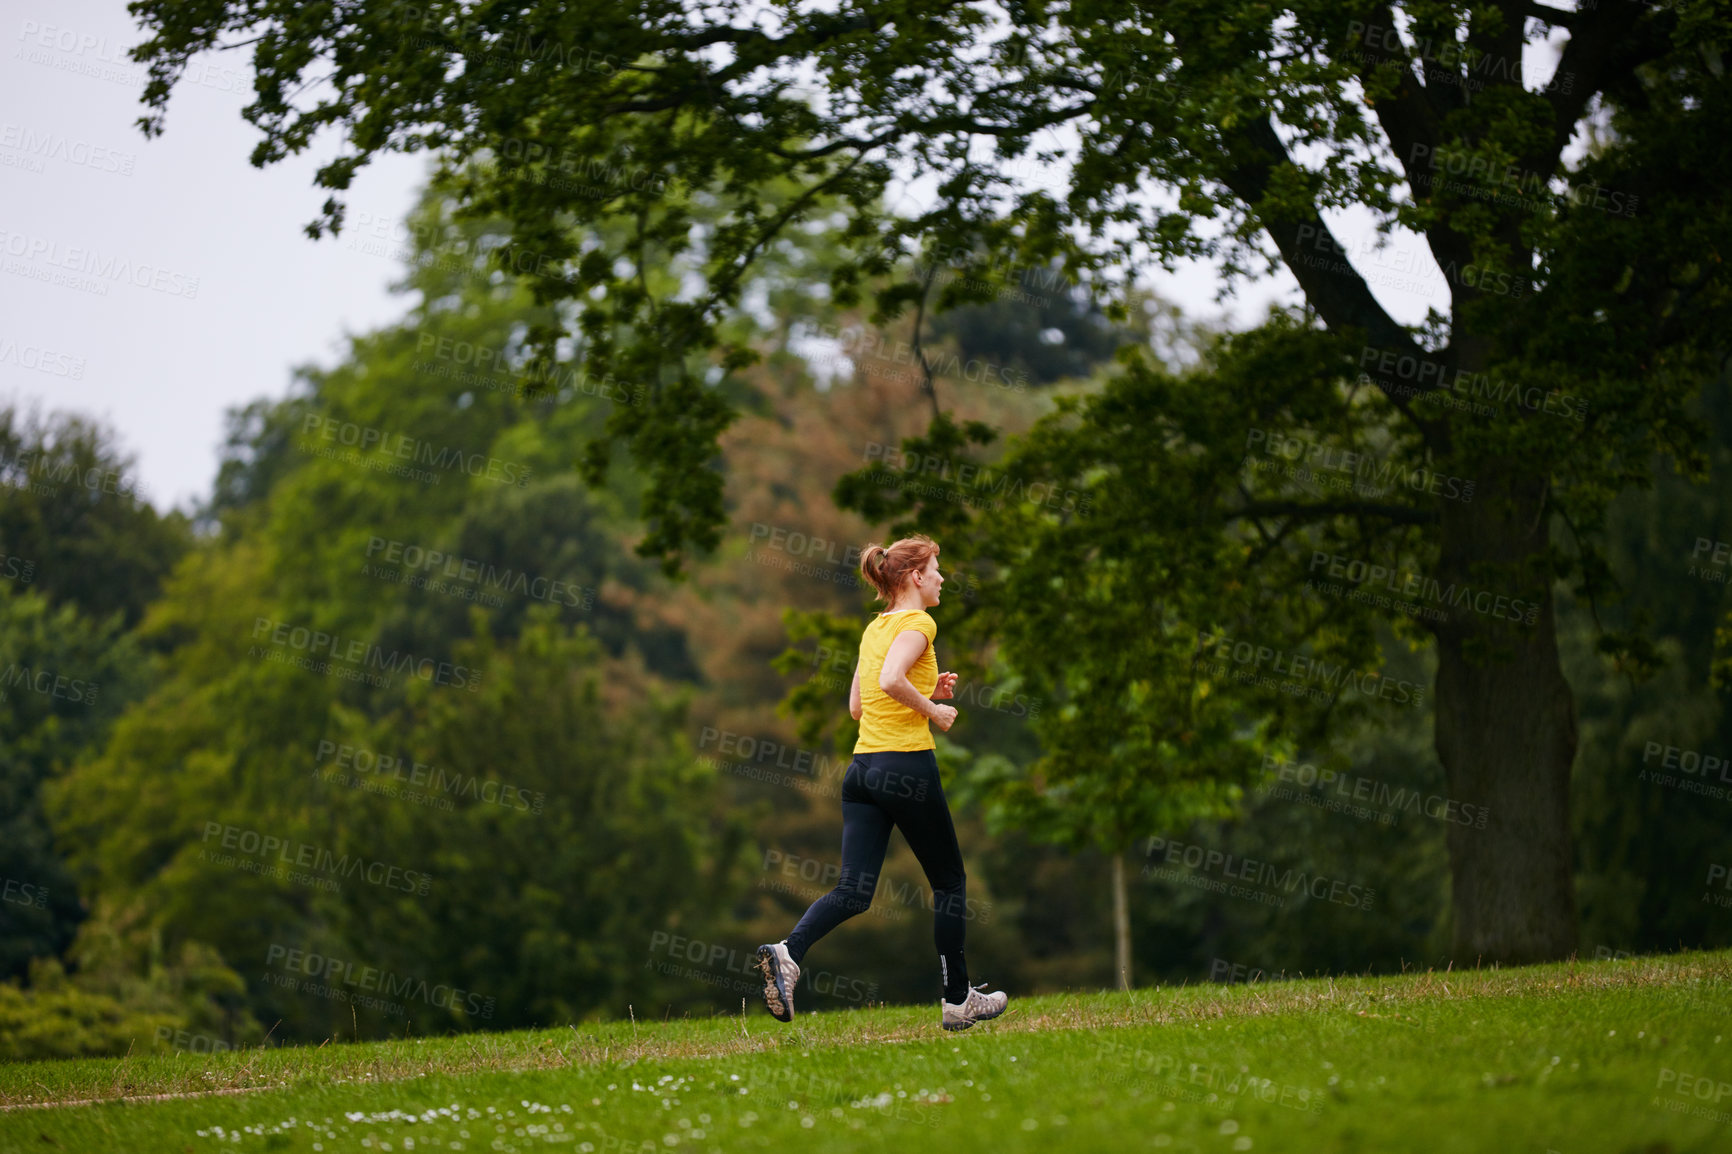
x=1506 y=735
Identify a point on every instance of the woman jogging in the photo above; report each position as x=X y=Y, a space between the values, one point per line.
x=893 y=781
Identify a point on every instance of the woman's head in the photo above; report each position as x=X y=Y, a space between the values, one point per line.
x=911 y=563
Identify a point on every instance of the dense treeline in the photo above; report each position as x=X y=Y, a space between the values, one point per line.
x=400 y=733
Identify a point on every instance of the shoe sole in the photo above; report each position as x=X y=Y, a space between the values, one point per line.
x=778 y=1001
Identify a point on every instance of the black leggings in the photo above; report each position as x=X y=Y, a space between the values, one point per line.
x=901 y=789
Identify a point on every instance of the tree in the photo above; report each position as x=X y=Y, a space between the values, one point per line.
x=1586 y=292
x=74 y=524
x=477 y=780
x=81 y=554
x=63 y=679
x=1122 y=594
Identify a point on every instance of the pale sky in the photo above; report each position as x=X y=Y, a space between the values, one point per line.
x=157 y=283
x=81 y=188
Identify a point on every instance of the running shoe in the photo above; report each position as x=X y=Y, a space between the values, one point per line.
x=781 y=975
x=977 y=1007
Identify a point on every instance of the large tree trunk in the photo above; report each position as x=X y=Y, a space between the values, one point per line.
x=1506 y=732
x=1121 y=924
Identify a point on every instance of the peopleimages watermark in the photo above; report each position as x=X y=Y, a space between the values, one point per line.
x=40 y=359
x=1327 y=254
x=790 y=1079
x=1269 y=883
x=37 y=146
x=809 y=555
x=837 y=670
x=1693 y=768
x=1230 y=973
x=859 y=344
x=195 y=1043
x=466 y=577
x=1444 y=56
x=572 y=170
x=1345 y=470
x=1416 y=588
x=24 y=893
x=361 y=768
x=283 y=853
x=1435 y=382
x=983 y=272
x=813 y=871
x=331 y=977
x=38 y=472
x=88 y=269
x=473 y=258
x=814 y=774
x=724 y=967
x=1195 y=1081
x=1292 y=672
x=1694 y=1089
x=806 y=554
x=366 y=438
x=899 y=464
x=826 y=874
x=468 y=363
x=88 y=54
x=1719 y=554
x=49 y=683
x=1344 y=793
x=491 y=41
x=290 y=641
x=1406 y=267
x=903 y=471
x=1718 y=873
x=968 y=694
x=19 y=569
x=1488 y=177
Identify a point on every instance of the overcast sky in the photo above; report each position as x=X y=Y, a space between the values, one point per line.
x=157 y=283
x=160 y=357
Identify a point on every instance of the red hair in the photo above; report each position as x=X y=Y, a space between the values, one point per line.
x=886 y=568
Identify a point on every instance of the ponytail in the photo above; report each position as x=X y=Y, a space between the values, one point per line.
x=887 y=568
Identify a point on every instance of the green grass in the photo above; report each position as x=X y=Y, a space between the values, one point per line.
x=1595 y=1056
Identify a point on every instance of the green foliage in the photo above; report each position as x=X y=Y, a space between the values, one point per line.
x=1647 y=828
x=64 y=678
x=544 y=817
x=583 y=825
x=812 y=704
x=56 y=1019
x=73 y=524
x=691 y=146
x=1590 y=322
x=119 y=1005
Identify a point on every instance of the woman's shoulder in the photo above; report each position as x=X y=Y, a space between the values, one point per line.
x=904 y=619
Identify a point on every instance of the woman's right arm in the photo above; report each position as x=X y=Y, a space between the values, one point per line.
x=904 y=652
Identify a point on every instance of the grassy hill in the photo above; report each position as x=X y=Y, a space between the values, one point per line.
x=1631 y=1055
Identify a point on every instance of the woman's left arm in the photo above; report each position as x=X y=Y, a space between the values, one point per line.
x=854 y=707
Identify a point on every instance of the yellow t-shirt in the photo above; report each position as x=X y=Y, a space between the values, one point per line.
x=885 y=723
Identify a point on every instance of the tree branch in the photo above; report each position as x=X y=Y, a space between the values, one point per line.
x=1599 y=45
x=1412 y=118
x=1317 y=260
